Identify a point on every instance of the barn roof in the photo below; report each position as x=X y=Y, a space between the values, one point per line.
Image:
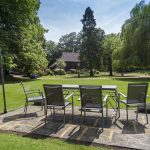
x=70 y=57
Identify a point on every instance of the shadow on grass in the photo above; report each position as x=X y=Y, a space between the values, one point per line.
x=88 y=76
x=133 y=79
x=11 y=79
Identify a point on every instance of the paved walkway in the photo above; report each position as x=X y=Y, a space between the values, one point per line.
x=134 y=135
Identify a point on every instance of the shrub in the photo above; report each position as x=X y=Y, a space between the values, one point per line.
x=73 y=71
x=41 y=73
x=68 y=72
x=83 y=71
x=60 y=71
x=96 y=72
x=50 y=72
x=60 y=64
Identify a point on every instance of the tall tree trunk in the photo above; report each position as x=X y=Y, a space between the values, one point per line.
x=110 y=67
x=91 y=70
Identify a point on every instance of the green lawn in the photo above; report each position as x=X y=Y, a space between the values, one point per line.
x=15 y=96
x=14 y=142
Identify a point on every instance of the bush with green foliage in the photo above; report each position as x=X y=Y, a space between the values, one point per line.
x=50 y=72
x=73 y=71
x=83 y=71
x=59 y=71
x=60 y=64
x=96 y=71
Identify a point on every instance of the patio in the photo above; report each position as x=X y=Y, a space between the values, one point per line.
x=119 y=134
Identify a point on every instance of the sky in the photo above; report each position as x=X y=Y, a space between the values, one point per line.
x=62 y=17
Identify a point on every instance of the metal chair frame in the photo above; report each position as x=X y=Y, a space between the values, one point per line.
x=91 y=102
x=52 y=104
x=32 y=96
x=137 y=99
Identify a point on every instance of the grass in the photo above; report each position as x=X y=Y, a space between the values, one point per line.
x=15 y=97
x=12 y=141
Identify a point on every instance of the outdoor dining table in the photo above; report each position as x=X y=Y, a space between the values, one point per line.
x=75 y=86
x=111 y=90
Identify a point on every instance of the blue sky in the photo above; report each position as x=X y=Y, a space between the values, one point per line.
x=63 y=16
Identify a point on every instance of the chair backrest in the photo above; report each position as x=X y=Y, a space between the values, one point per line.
x=23 y=87
x=54 y=94
x=90 y=94
x=137 y=92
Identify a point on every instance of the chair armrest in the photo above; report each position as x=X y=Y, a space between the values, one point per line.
x=105 y=98
x=36 y=90
x=67 y=97
x=28 y=93
x=122 y=94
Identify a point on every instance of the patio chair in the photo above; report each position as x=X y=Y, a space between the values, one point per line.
x=56 y=100
x=136 y=96
x=32 y=96
x=91 y=100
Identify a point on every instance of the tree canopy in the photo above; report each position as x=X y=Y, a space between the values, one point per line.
x=111 y=45
x=53 y=53
x=70 y=42
x=136 y=37
x=22 y=35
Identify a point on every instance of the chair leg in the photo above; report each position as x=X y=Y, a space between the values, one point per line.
x=107 y=109
x=146 y=114
x=53 y=112
x=45 y=116
x=81 y=119
x=102 y=121
x=64 y=115
x=137 y=112
x=127 y=112
x=42 y=105
x=84 y=115
x=118 y=102
x=25 y=108
x=72 y=111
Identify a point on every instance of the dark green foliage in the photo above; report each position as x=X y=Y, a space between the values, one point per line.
x=59 y=71
x=73 y=71
x=21 y=35
x=91 y=51
x=111 y=45
x=70 y=42
x=53 y=53
x=50 y=72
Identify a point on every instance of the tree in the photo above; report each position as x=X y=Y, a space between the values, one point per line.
x=53 y=53
x=22 y=35
x=111 y=43
x=91 y=41
x=60 y=64
x=69 y=42
x=136 y=37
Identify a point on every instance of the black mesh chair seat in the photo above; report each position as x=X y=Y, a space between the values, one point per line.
x=92 y=106
x=131 y=102
x=59 y=106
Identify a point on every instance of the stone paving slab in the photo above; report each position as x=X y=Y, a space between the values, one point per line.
x=134 y=135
